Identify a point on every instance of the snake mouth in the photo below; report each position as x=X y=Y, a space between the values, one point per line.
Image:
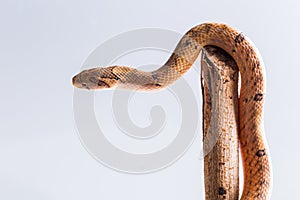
x=76 y=81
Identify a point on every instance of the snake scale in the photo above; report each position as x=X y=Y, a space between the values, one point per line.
x=254 y=148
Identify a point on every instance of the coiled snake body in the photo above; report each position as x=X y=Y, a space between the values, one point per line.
x=254 y=150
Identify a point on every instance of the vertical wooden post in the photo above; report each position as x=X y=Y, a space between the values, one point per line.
x=220 y=117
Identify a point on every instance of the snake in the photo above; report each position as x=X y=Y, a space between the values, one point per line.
x=257 y=171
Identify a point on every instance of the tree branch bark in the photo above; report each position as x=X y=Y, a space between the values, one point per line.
x=220 y=117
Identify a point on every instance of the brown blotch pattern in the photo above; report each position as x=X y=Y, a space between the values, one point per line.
x=260 y=153
x=102 y=83
x=239 y=38
x=221 y=191
x=258 y=97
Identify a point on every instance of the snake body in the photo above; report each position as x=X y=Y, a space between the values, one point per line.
x=254 y=149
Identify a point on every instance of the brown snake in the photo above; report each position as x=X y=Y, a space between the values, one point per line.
x=254 y=149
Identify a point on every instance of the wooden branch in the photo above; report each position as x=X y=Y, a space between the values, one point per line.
x=220 y=116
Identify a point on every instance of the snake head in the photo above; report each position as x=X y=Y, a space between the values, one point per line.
x=96 y=78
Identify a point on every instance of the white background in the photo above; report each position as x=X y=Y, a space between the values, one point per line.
x=44 y=43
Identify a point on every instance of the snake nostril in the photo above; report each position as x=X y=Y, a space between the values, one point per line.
x=83 y=84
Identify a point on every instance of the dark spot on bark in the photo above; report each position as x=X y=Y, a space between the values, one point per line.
x=196 y=47
x=260 y=153
x=239 y=38
x=258 y=97
x=233 y=50
x=221 y=191
x=254 y=83
x=246 y=100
